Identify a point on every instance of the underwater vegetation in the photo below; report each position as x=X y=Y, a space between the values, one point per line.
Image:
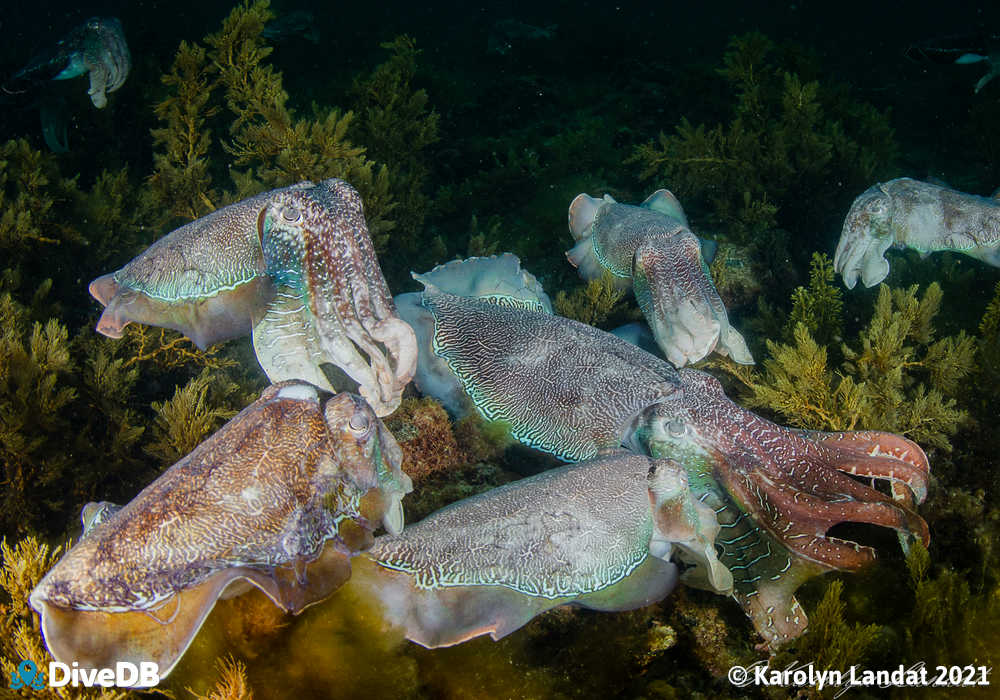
x=596 y=302
x=82 y=418
x=895 y=376
x=768 y=167
x=226 y=104
x=72 y=413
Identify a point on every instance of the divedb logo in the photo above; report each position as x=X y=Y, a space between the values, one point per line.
x=125 y=674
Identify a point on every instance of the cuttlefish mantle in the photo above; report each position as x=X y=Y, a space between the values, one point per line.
x=599 y=535
x=282 y=497
x=294 y=266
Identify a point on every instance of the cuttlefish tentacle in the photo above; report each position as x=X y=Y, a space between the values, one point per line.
x=789 y=487
x=597 y=534
x=775 y=492
x=650 y=249
x=281 y=497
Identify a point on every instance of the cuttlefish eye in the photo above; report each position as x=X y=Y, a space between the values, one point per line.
x=360 y=423
x=290 y=214
x=675 y=428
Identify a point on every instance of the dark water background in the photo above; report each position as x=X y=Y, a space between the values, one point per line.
x=597 y=48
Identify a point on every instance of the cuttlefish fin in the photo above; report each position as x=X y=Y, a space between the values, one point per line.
x=297 y=587
x=286 y=342
x=582 y=212
x=445 y=616
x=441 y=617
x=97 y=639
x=649 y=583
x=665 y=202
x=497 y=278
x=205 y=321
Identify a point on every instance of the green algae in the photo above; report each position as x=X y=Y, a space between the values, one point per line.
x=768 y=166
x=896 y=376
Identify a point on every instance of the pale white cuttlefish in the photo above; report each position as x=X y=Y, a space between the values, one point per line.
x=650 y=249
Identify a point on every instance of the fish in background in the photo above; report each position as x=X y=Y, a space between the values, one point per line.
x=297 y=24
x=961 y=49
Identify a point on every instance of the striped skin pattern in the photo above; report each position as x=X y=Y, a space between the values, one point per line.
x=907 y=213
x=281 y=497
x=255 y=494
x=334 y=304
x=562 y=386
x=184 y=283
x=650 y=249
x=564 y=532
x=776 y=493
x=296 y=266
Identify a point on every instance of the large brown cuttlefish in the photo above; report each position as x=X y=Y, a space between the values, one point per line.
x=281 y=497
x=576 y=392
x=294 y=266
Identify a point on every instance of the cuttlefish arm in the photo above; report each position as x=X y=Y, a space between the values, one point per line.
x=651 y=249
x=597 y=534
x=777 y=492
x=318 y=252
x=295 y=266
x=907 y=213
x=282 y=497
x=578 y=392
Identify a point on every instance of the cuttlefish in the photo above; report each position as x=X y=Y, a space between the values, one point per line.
x=97 y=47
x=650 y=249
x=294 y=266
x=906 y=213
x=281 y=498
x=577 y=392
x=599 y=534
